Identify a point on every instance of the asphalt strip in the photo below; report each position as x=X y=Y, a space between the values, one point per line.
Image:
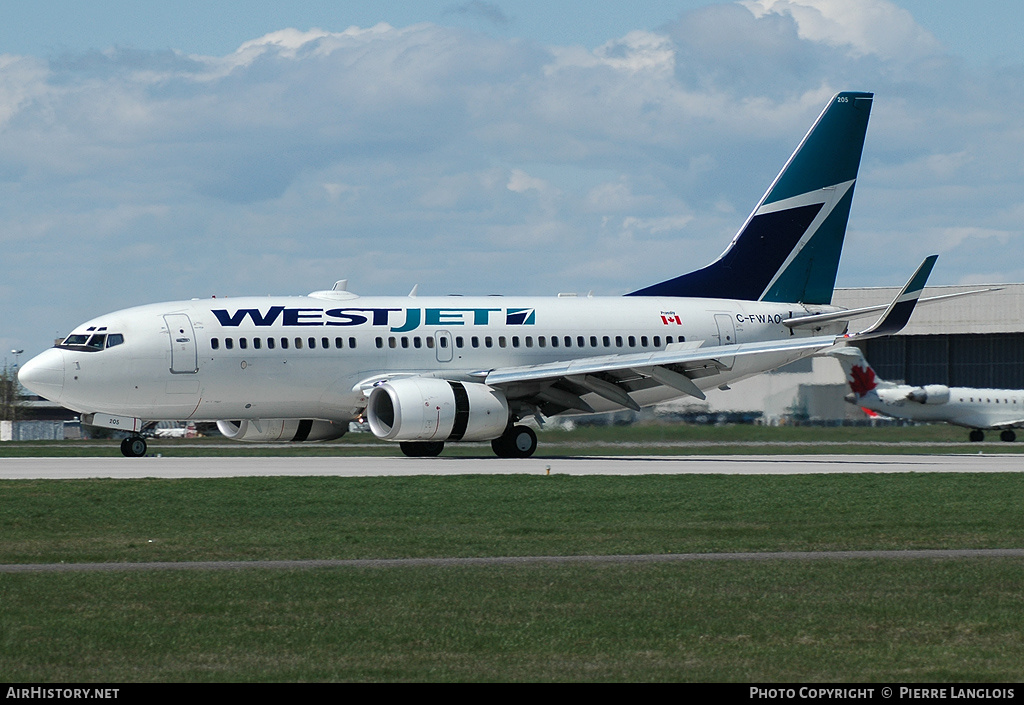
x=937 y=554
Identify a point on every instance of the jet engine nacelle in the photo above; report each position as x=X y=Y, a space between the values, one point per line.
x=281 y=430
x=929 y=394
x=426 y=409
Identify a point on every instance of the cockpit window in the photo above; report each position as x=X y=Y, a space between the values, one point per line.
x=84 y=342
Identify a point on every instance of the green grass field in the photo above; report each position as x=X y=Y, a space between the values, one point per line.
x=825 y=621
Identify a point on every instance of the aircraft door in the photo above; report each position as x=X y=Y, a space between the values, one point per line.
x=726 y=336
x=184 y=353
x=443 y=340
x=726 y=329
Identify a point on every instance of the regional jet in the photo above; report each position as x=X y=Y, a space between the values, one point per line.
x=976 y=409
x=425 y=371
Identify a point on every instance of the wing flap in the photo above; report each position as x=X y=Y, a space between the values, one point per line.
x=693 y=363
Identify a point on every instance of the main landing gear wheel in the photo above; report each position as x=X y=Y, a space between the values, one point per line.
x=516 y=442
x=1008 y=436
x=134 y=447
x=976 y=436
x=422 y=450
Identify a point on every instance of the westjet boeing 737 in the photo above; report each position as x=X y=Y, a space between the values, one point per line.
x=971 y=407
x=424 y=371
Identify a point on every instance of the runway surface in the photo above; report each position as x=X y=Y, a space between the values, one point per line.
x=160 y=467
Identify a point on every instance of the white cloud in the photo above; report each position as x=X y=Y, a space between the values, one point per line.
x=521 y=182
x=866 y=27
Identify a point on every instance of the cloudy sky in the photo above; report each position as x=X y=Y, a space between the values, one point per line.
x=155 y=151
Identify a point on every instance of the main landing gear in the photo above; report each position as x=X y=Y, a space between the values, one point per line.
x=134 y=447
x=1007 y=436
x=516 y=442
x=429 y=449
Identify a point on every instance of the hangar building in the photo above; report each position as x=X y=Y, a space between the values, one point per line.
x=973 y=341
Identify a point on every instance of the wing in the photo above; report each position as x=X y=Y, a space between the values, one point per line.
x=556 y=387
x=1015 y=423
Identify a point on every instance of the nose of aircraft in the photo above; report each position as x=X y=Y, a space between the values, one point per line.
x=44 y=374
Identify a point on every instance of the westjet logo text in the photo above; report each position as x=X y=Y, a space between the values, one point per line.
x=397 y=320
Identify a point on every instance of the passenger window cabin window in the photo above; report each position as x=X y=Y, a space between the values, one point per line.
x=502 y=341
x=352 y=342
x=284 y=343
x=325 y=343
x=229 y=343
x=529 y=341
x=488 y=342
x=515 y=341
x=243 y=343
x=417 y=342
x=581 y=342
x=593 y=341
x=271 y=343
x=257 y=343
x=632 y=341
x=380 y=342
x=607 y=341
x=657 y=341
x=215 y=343
x=554 y=341
x=542 y=341
x=338 y=343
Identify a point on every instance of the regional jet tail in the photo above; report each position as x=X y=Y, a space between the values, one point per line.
x=977 y=409
x=425 y=371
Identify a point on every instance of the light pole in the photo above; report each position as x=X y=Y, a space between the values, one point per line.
x=15 y=386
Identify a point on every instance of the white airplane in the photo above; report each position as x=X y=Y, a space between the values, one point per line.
x=976 y=409
x=424 y=371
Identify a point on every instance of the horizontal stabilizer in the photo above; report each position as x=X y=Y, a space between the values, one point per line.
x=898 y=313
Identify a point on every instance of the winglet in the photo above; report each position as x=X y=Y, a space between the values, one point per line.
x=898 y=313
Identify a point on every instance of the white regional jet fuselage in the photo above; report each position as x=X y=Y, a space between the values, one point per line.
x=976 y=408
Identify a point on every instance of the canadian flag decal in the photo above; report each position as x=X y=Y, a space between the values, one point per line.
x=670 y=318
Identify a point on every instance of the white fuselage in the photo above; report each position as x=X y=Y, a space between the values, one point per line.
x=314 y=356
x=966 y=406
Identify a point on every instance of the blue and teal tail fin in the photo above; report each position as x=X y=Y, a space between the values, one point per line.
x=788 y=250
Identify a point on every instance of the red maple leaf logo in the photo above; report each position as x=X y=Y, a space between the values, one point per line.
x=863 y=380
